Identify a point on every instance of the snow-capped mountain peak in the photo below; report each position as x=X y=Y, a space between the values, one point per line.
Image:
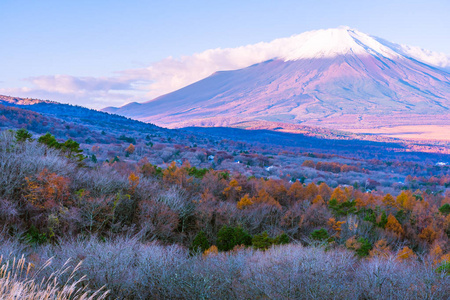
x=333 y=42
x=340 y=77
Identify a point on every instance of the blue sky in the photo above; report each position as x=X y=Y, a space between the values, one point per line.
x=90 y=44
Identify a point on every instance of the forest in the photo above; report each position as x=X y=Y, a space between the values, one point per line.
x=130 y=228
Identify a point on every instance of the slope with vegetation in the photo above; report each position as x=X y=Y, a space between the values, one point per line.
x=187 y=232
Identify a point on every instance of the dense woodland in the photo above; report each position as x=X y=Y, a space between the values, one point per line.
x=151 y=213
x=52 y=199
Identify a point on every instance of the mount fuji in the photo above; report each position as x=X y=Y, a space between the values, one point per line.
x=338 y=78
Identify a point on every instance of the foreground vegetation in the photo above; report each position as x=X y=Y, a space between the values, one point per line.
x=181 y=232
x=131 y=269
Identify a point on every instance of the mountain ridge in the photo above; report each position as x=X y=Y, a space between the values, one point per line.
x=334 y=74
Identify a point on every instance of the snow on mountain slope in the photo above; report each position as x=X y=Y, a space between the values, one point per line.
x=324 y=77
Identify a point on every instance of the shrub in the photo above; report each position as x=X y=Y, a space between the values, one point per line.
x=364 y=248
x=320 y=234
x=229 y=237
x=445 y=209
x=200 y=243
x=444 y=268
x=262 y=241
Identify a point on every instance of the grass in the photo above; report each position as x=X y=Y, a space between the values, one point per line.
x=21 y=280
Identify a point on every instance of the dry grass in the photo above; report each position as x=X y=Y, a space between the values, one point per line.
x=20 y=280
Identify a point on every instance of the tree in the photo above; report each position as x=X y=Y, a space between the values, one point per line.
x=130 y=149
x=200 y=242
x=320 y=234
x=445 y=209
x=336 y=226
x=389 y=201
x=49 y=140
x=381 y=249
x=213 y=250
x=338 y=195
x=262 y=241
x=133 y=180
x=229 y=237
x=382 y=220
x=296 y=192
x=244 y=202
x=393 y=225
x=264 y=198
x=23 y=135
x=428 y=234
x=47 y=190
x=405 y=254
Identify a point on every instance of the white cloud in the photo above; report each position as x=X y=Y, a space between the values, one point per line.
x=173 y=73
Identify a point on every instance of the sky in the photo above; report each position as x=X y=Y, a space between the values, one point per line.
x=109 y=53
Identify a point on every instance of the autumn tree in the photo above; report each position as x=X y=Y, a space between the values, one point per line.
x=338 y=195
x=47 y=190
x=336 y=226
x=296 y=192
x=130 y=149
x=133 y=181
x=428 y=234
x=232 y=190
x=174 y=175
x=308 y=164
x=394 y=226
x=406 y=254
x=325 y=191
x=381 y=249
x=244 y=202
x=389 y=202
x=311 y=191
x=264 y=198
x=405 y=200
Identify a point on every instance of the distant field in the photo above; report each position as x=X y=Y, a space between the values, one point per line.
x=417 y=132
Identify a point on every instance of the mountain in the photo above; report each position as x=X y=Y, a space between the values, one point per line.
x=339 y=78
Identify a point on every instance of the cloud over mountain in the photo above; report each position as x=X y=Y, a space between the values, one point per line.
x=173 y=73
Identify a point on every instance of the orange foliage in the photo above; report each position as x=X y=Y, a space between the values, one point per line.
x=339 y=195
x=130 y=149
x=405 y=200
x=174 y=175
x=308 y=164
x=207 y=196
x=296 y=192
x=318 y=200
x=371 y=201
x=311 y=191
x=233 y=189
x=406 y=254
x=352 y=243
x=335 y=225
x=393 y=225
x=47 y=190
x=389 y=201
x=428 y=234
x=133 y=180
x=325 y=191
x=244 y=202
x=380 y=249
x=264 y=197
x=360 y=203
x=213 y=250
